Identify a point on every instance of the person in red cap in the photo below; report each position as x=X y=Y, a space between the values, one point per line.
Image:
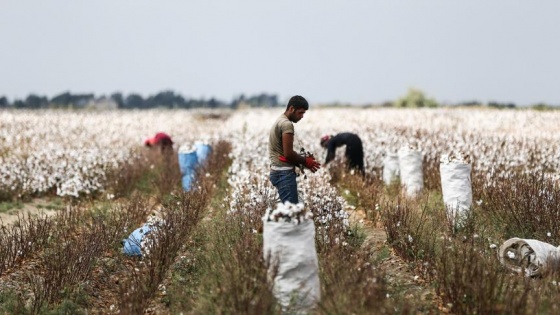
x=161 y=140
x=354 y=150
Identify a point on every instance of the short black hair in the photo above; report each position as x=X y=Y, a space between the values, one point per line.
x=298 y=101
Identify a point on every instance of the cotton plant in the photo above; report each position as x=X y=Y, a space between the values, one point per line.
x=72 y=151
x=150 y=241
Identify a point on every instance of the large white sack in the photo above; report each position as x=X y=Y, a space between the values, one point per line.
x=289 y=249
x=410 y=166
x=390 y=168
x=531 y=256
x=456 y=186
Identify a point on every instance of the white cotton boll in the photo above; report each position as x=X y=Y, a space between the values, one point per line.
x=511 y=255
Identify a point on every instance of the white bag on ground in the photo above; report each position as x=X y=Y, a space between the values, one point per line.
x=390 y=168
x=531 y=256
x=410 y=166
x=289 y=249
x=456 y=186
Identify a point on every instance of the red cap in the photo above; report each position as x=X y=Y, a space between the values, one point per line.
x=325 y=139
x=160 y=137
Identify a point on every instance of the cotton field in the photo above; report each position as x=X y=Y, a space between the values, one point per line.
x=76 y=154
x=71 y=151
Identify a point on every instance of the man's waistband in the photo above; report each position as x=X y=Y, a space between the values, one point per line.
x=281 y=168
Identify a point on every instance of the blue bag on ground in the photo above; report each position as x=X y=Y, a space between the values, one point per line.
x=132 y=244
x=188 y=162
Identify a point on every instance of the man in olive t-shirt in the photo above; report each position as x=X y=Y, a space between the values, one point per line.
x=283 y=158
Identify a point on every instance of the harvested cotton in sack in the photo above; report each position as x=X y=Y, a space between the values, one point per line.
x=203 y=150
x=289 y=249
x=188 y=163
x=390 y=168
x=456 y=186
x=528 y=255
x=141 y=240
x=410 y=166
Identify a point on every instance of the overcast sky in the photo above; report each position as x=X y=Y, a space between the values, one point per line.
x=359 y=52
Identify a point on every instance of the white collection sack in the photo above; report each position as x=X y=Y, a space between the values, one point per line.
x=410 y=166
x=456 y=186
x=531 y=256
x=390 y=168
x=289 y=250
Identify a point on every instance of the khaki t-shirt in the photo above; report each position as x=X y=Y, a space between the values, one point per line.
x=281 y=126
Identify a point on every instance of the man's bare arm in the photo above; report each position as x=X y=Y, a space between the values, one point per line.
x=288 y=148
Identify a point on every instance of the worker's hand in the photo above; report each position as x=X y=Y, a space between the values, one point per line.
x=283 y=159
x=312 y=164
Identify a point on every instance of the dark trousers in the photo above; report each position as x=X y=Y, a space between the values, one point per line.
x=285 y=183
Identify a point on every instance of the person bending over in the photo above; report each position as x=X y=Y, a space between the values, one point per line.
x=162 y=141
x=354 y=150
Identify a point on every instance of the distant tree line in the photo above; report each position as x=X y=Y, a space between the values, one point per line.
x=164 y=99
x=500 y=105
x=168 y=99
x=416 y=98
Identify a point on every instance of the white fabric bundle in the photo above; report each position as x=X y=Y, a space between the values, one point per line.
x=531 y=256
x=390 y=168
x=289 y=249
x=456 y=187
x=410 y=166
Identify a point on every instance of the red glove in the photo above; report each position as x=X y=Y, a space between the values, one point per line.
x=311 y=164
x=283 y=159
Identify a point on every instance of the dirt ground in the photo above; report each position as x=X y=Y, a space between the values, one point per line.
x=398 y=274
x=33 y=208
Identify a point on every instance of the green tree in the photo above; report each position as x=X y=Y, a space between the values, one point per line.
x=3 y=102
x=134 y=101
x=34 y=101
x=415 y=98
x=118 y=98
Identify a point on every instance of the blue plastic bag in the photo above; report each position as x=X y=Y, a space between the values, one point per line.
x=132 y=244
x=202 y=151
x=188 y=161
